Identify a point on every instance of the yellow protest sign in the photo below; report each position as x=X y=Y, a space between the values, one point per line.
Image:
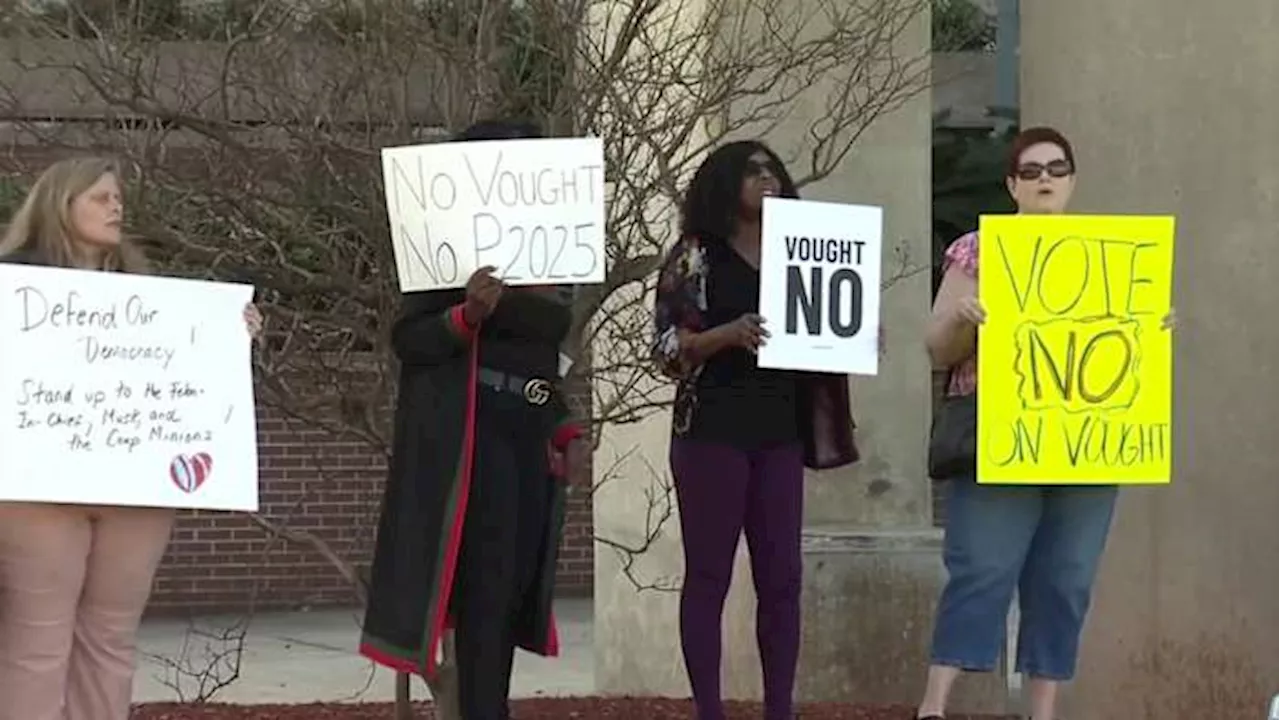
x=1074 y=381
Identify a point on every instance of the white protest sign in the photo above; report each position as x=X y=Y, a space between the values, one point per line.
x=125 y=390
x=534 y=209
x=820 y=286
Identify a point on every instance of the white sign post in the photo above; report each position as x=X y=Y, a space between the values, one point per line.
x=534 y=209
x=125 y=390
x=820 y=286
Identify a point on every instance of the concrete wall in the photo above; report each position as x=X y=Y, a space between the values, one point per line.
x=636 y=646
x=965 y=84
x=258 y=82
x=1172 y=108
x=872 y=570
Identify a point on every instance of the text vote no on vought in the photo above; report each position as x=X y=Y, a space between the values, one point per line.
x=1080 y=360
x=1087 y=441
x=843 y=287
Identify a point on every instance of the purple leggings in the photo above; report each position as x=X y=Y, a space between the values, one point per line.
x=723 y=491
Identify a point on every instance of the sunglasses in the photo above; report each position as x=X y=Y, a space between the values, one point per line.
x=1033 y=171
x=755 y=168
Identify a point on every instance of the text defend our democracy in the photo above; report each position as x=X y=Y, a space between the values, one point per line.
x=72 y=313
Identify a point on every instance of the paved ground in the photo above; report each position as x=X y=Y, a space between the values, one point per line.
x=310 y=656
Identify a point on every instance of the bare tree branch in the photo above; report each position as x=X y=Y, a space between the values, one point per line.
x=252 y=131
x=207 y=662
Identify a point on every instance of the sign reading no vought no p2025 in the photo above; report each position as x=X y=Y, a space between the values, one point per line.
x=532 y=208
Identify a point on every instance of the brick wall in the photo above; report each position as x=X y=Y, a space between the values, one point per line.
x=321 y=484
x=310 y=481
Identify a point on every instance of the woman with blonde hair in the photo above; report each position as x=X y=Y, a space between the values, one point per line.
x=74 y=579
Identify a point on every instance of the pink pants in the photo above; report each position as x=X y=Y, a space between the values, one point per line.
x=74 y=581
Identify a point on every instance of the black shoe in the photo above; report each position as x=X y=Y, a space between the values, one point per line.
x=928 y=717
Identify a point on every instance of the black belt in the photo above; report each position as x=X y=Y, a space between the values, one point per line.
x=536 y=391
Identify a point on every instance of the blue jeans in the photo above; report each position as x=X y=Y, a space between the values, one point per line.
x=1043 y=540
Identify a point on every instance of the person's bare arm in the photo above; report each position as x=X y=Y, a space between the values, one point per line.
x=702 y=345
x=952 y=336
x=680 y=343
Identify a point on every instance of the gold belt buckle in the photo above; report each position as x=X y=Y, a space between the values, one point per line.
x=537 y=391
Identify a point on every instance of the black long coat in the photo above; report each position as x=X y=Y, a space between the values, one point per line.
x=425 y=501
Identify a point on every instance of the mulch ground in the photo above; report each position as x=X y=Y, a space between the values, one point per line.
x=579 y=708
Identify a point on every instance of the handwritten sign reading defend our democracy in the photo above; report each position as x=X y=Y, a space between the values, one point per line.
x=534 y=209
x=820 y=286
x=1074 y=367
x=125 y=390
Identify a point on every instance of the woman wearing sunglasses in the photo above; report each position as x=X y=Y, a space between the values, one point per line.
x=1045 y=541
x=742 y=435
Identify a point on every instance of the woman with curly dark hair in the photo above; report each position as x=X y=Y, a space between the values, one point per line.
x=741 y=435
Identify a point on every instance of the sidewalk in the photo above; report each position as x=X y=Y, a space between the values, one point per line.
x=304 y=657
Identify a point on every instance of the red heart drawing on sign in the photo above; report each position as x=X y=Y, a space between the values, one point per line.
x=189 y=472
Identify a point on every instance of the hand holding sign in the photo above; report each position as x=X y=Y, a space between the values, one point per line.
x=969 y=311
x=483 y=293
x=746 y=332
x=253 y=320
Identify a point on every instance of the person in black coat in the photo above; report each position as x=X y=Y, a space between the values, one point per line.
x=474 y=504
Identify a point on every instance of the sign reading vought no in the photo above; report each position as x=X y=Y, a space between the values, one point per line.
x=1074 y=370
x=820 y=286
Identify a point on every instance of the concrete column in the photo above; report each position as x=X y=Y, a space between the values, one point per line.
x=872 y=566
x=1171 y=105
x=636 y=632
x=1007 y=26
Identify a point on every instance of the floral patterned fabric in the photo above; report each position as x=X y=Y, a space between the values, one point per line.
x=963 y=253
x=826 y=421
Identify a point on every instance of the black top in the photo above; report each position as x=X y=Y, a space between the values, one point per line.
x=739 y=403
x=419 y=529
x=523 y=335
